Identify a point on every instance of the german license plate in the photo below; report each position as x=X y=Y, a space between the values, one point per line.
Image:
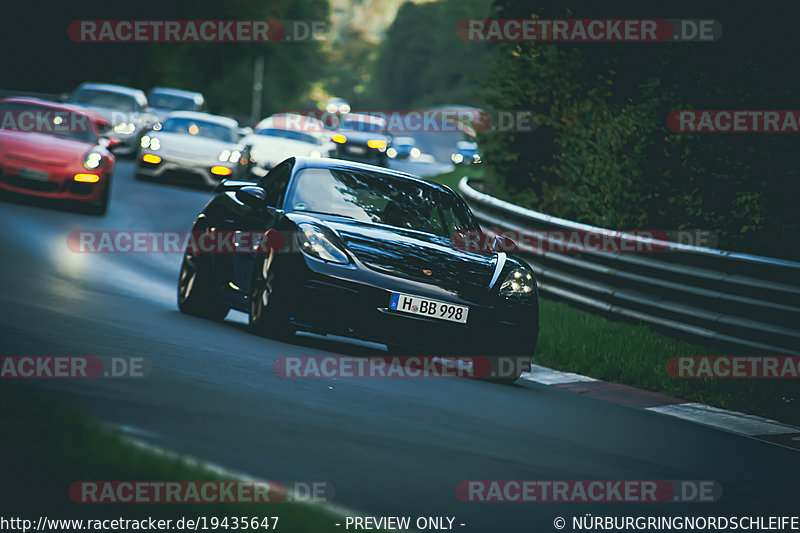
x=33 y=174
x=405 y=303
x=357 y=150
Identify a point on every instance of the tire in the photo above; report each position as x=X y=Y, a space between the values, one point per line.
x=195 y=290
x=267 y=314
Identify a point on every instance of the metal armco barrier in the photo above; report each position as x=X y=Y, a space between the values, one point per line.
x=749 y=301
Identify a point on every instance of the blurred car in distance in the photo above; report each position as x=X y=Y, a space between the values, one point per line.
x=54 y=150
x=193 y=147
x=403 y=148
x=466 y=153
x=362 y=138
x=280 y=137
x=163 y=101
x=124 y=108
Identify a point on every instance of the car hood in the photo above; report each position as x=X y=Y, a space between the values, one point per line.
x=42 y=148
x=273 y=150
x=361 y=136
x=191 y=146
x=408 y=254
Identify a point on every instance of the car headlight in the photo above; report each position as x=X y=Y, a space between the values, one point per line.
x=518 y=281
x=476 y=158
x=415 y=152
x=152 y=143
x=314 y=241
x=391 y=152
x=377 y=144
x=92 y=160
x=225 y=155
x=457 y=158
x=125 y=128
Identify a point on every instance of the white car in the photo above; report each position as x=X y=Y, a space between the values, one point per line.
x=277 y=139
x=191 y=146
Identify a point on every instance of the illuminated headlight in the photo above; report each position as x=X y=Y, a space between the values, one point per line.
x=377 y=144
x=476 y=158
x=391 y=152
x=151 y=142
x=344 y=108
x=225 y=155
x=415 y=152
x=518 y=281
x=314 y=242
x=235 y=155
x=126 y=128
x=457 y=158
x=92 y=160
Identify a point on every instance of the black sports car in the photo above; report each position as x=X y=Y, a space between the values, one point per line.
x=364 y=252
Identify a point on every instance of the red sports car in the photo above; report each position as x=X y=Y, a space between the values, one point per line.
x=54 y=150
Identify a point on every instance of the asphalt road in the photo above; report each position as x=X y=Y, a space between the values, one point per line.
x=389 y=446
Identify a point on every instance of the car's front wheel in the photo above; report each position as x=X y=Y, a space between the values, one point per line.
x=195 y=289
x=267 y=317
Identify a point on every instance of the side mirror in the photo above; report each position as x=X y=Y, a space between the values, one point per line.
x=252 y=196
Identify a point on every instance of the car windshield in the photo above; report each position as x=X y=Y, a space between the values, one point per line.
x=106 y=99
x=21 y=116
x=364 y=125
x=173 y=102
x=199 y=128
x=379 y=198
x=288 y=134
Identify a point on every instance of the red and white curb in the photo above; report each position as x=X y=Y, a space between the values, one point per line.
x=732 y=421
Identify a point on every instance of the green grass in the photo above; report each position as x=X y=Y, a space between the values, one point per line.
x=575 y=340
x=46 y=447
x=578 y=341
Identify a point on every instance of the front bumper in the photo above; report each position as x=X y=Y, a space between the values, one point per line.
x=353 y=302
x=183 y=168
x=360 y=153
x=59 y=186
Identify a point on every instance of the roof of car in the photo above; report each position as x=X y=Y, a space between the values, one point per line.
x=48 y=103
x=361 y=117
x=196 y=115
x=324 y=162
x=176 y=92
x=120 y=89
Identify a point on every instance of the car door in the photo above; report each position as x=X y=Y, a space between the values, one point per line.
x=244 y=224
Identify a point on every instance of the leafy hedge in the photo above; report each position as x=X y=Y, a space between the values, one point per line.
x=602 y=152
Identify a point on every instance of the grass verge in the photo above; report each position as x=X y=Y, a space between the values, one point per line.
x=46 y=448
x=575 y=340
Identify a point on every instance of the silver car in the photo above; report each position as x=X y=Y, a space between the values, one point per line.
x=191 y=146
x=124 y=108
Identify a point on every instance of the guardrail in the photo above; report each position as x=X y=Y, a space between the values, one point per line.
x=749 y=301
